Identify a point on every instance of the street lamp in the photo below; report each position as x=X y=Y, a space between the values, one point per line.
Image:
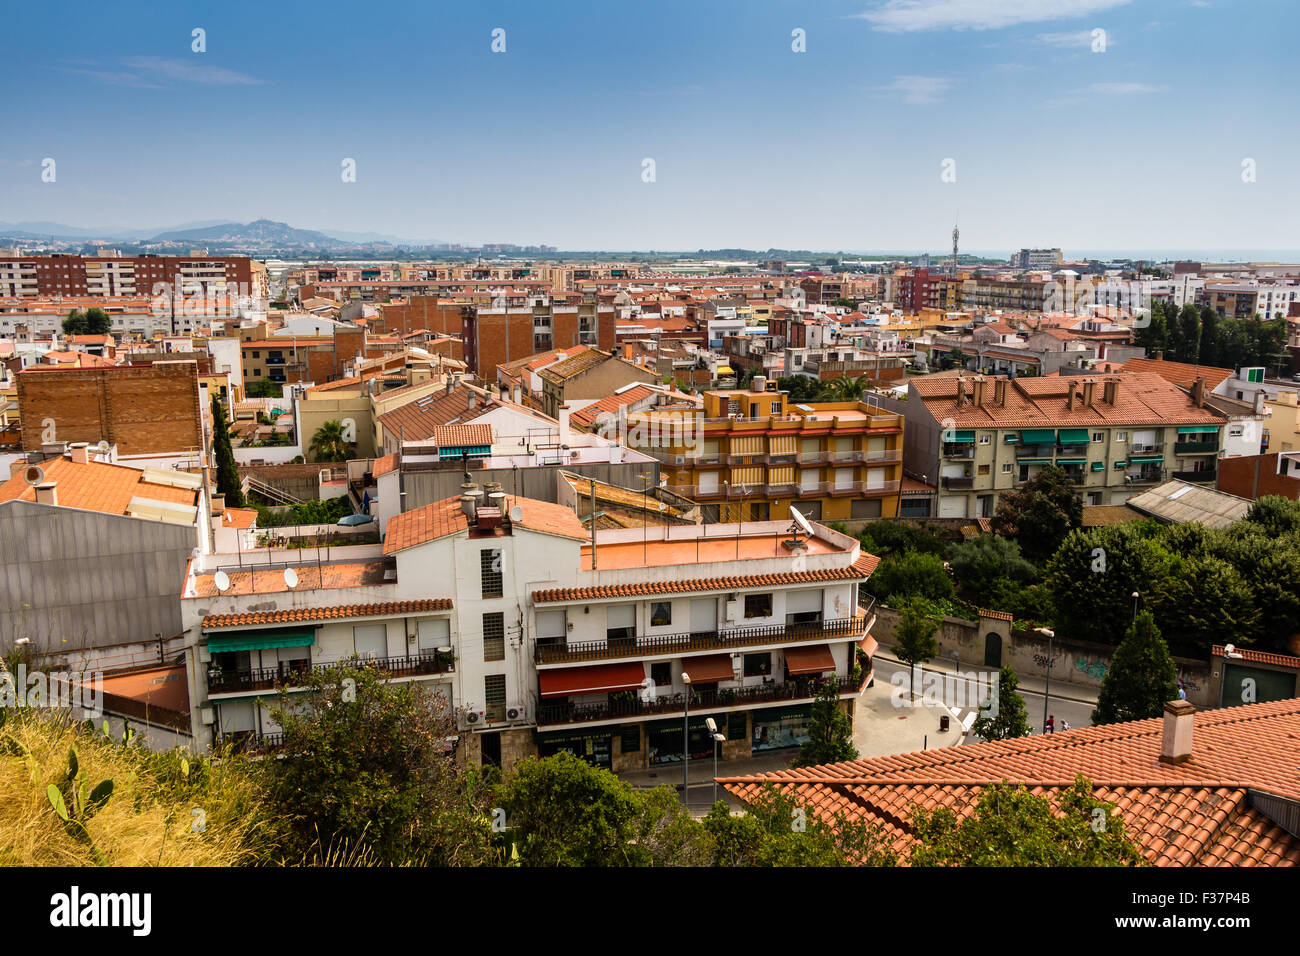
x=717 y=742
x=686 y=742
x=1135 y=606
x=1047 y=689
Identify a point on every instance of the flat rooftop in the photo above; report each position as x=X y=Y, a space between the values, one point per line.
x=654 y=551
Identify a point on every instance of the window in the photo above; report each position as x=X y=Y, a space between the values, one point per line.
x=494 y=696
x=1121 y=436
x=1098 y=436
x=661 y=613
x=631 y=739
x=434 y=634
x=494 y=637
x=758 y=665
x=370 y=640
x=661 y=672
x=489 y=562
x=985 y=438
x=983 y=469
x=758 y=605
x=620 y=623
x=1006 y=468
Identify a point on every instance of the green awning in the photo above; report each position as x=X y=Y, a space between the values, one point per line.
x=1145 y=459
x=962 y=436
x=1033 y=461
x=1098 y=466
x=1071 y=461
x=1011 y=438
x=1197 y=429
x=260 y=640
x=1073 y=436
x=1121 y=464
x=1038 y=436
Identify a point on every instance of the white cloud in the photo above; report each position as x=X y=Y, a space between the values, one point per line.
x=188 y=72
x=1125 y=89
x=1080 y=38
x=918 y=89
x=907 y=16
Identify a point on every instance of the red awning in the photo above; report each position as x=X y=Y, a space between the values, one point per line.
x=869 y=645
x=705 y=670
x=597 y=679
x=816 y=659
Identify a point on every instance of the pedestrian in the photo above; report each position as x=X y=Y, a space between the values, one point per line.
x=1182 y=691
x=1051 y=724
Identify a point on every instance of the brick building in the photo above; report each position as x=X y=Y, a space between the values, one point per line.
x=143 y=409
x=132 y=276
x=498 y=336
x=1254 y=476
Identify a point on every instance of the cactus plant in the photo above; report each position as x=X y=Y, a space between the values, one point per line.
x=74 y=803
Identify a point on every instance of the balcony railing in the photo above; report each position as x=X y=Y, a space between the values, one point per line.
x=1195 y=447
x=958 y=483
x=564 y=712
x=962 y=450
x=1204 y=474
x=1035 y=451
x=292 y=675
x=668 y=644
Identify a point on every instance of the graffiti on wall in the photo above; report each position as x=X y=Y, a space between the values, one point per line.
x=1094 y=669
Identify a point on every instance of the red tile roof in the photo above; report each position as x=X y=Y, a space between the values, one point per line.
x=1258 y=657
x=337 y=612
x=446 y=517
x=859 y=570
x=95 y=486
x=1199 y=812
x=384 y=465
x=1180 y=373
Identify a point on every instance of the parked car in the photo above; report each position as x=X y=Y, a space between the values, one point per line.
x=351 y=521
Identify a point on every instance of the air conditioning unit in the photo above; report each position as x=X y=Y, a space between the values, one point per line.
x=517 y=712
x=733 y=611
x=472 y=718
x=206 y=715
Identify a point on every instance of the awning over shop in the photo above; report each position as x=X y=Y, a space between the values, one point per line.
x=260 y=640
x=1037 y=436
x=597 y=679
x=1073 y=436
x=816 y=659
x=705 y=670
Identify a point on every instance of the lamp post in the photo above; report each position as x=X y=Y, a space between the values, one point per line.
x=1047 y=689
x=1136 y=595
x=717 y=742
x=686 y=742
x=645 y=477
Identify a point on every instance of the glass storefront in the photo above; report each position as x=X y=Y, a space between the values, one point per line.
x=595 y=749
x=665 y=739
x=784 y=727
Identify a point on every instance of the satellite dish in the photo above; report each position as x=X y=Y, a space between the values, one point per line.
x=1229 y=648
x=290 y=578
x=103 y=447
x=516 y=513
x=801 y=521
x=222 y=580
x=34 y=475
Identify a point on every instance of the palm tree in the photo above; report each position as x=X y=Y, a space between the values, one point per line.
x=329 y=444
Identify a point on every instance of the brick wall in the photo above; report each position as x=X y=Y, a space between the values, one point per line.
x=143 y=410
x=1254 y=476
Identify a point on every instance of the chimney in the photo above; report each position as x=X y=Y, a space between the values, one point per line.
x=1198 y=392
x=1089 y=393
x=1176 y=741
x=1110 y=392
x=450 y=386
x=218 y=504
x=759 y=384
x=470 y=398
x=1069 y=402
x=1000 y=392
x=47 y=493
x=1158 y=355
x=80 y=451
x=518 y=395
x=961 y=391
x=979 y=392
x=469 y=499
x=564 y=423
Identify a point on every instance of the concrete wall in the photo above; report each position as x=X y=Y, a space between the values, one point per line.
x=77 y=579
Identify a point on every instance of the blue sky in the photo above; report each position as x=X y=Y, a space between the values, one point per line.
x=840 y=147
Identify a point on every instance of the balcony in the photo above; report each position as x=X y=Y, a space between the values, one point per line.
x=959 y=450
x=1202 y=474
x=293 y=675
x=1072 y=451
x=663 y=645
x=1196 y=448
x=958 y=483
x=1146 y=449
x=564 y=712
x=1035 y=451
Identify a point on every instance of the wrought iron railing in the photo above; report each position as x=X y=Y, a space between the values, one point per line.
x=290 y=675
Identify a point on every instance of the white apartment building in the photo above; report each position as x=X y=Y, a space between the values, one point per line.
x=542 y=640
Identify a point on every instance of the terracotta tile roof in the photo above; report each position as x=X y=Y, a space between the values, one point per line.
x=996 y=615
x=1200 y=812
x=587 y=416
x=1042 y=402
x=860 y=569
x=446 y=517
x=241 y=518
x=416 y=420
x=577 y=364
x=95 y=486
x=337 y=612
x=383 y=466
x=452 y=436
x=342 y=574
x=1096 y=516
x=1258 y=657
x=1180 y=373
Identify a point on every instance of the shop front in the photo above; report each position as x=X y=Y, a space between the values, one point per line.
x=781 y=727
x=665 y=738
x=595 y=747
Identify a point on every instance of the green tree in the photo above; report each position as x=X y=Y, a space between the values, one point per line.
x=1005 y=715
x=1040 y=513
x=912 y=573
x=1012 y=827
x=1206 y=598
x=330 y=444
x=914 y=641
x=90 y=322
x=1142 y=676
x=1211 y=338
x=777 y=830
x=228 y=482
x=1154 y=336
x=1275 y=515
x=894 y=537
x=1188 y=348
x=365 y=763
x=830 y=732
x=987 y=565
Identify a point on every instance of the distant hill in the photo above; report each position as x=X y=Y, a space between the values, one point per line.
x=260 y=232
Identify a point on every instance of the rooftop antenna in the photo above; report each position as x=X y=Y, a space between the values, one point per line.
x=955 y=234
